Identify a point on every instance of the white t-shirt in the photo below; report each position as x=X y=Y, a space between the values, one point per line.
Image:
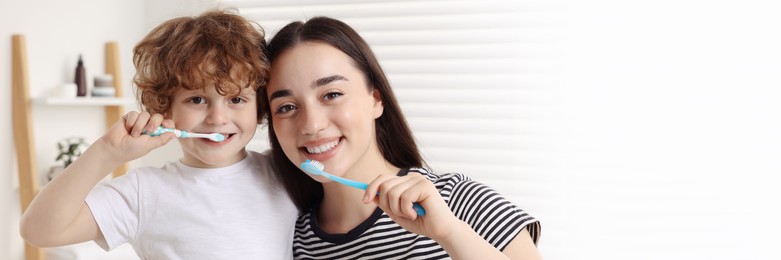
x=179 y=212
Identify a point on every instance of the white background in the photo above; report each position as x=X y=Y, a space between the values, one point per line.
x=634 y=130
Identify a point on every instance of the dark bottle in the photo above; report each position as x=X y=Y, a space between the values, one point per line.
x=81 y=79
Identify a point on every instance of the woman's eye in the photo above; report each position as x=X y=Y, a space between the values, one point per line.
x=197 y=100
x=332 y=95
x=285 y=109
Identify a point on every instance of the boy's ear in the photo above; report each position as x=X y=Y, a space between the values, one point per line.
x=167 y=114
x=378 y=107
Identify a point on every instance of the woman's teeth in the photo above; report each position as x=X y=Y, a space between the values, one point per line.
x=322 y=148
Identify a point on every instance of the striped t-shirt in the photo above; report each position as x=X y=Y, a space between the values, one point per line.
x=492 y=216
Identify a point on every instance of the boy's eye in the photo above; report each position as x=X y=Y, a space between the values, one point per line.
x=236 y=100
x=197 y=100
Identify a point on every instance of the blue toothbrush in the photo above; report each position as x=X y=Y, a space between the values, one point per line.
x=217 y=137
x=316 y=168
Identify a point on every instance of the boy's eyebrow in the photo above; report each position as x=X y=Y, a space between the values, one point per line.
x=318 y=83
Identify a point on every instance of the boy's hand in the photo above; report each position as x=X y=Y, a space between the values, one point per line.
x=125 y=141
x=396 y=195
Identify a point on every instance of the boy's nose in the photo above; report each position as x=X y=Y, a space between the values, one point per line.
x=216 y=115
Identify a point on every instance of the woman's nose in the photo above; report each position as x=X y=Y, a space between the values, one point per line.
x=313 y=121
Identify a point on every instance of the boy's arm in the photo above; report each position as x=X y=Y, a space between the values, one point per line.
x=58 y=214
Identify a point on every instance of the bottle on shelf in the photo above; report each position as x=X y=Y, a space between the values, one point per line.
x=81 y=79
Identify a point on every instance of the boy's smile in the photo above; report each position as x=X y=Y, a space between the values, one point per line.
x=206 y=111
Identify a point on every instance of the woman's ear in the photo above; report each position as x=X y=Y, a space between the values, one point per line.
x=378 y=107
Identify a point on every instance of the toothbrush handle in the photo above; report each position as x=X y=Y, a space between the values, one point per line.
x=360 y=185
x=419 y=209
x=348 y=182
x=160 y=130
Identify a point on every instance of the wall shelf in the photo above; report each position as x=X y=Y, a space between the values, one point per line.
x=21 y=107
x=84 y=101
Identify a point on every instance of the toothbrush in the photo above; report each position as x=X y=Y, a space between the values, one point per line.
x=217 y=137
x=316 y=168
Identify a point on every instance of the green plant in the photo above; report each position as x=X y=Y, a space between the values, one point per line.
x=70 y=149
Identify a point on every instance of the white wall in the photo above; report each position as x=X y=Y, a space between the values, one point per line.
x=56 y=33
x=668 y=117
x=662 y=119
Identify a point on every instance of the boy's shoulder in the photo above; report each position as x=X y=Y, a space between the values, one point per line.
x=261 y=159
x=262 y=155
x=256 y=162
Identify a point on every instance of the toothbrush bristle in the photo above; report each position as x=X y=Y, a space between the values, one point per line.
x=218 y=137
x=319 y=165
x=313 y=167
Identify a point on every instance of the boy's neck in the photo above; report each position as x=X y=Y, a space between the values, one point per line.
x=195 y=163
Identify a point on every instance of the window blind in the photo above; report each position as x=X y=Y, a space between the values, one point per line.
x=469 y=76
x=461 y=72
x=632 y=130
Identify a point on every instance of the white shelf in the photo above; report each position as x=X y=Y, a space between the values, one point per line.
x=84 y=101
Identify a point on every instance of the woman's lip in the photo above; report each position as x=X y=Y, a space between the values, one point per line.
x=322 y=157
x=319 y=142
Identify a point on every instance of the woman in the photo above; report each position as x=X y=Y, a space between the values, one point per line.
x=330 y=101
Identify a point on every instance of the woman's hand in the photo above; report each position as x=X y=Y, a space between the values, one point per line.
x=396 y=196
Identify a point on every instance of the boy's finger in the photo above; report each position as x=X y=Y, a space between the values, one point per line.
x=130 y=119
x=163 y=139
x=154 y=122
x=140 y=123
x=168 y=123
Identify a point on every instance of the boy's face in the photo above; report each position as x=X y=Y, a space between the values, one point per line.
x=206 y=111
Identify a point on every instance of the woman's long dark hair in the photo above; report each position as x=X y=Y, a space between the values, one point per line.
x=394 y=137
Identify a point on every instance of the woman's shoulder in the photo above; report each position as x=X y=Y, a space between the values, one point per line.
x=451 y=177
x=446 y=183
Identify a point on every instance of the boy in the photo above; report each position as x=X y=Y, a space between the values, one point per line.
x=198 y=74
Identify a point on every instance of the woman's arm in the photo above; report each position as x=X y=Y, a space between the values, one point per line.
x=522 y=247
x=457 y=237
x=464 y=243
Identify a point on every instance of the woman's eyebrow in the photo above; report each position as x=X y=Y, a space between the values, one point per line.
x=327 y=80
x=279 y=94
x=318 y=83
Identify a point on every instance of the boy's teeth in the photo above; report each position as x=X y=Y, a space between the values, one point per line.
x=322 y=148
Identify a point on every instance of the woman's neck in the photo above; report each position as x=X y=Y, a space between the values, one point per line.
x=342 y=208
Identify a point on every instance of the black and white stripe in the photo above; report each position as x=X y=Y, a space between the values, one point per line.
x=492 y=216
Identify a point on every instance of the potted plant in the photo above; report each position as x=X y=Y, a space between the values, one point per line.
x=69 y=149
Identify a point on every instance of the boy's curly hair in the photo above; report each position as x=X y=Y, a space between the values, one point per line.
x=218 y=46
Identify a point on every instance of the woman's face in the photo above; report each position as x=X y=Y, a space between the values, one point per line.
x=322 y=108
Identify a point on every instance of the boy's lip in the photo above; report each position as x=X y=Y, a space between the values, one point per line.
x=228 y=138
